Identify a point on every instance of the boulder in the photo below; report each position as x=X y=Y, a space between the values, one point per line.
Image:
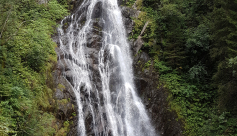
x=58 y=94
x=97 y=11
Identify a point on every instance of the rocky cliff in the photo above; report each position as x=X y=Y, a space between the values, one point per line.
x=147 y=82
x=146 y=77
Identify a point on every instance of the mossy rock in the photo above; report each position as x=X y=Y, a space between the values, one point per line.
x=61 y=87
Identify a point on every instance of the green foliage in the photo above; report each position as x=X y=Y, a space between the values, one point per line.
x=130 y=3
x=186 y=98
x=162 y=68
x=170 y=35
x=220 y=125
x=198 y=39
x=197 y=44
x=27 y=52
x=63 y=131
x=224 y=30
x=226 y=80
x=194 y=51
x=36 y=58
x=74 y=114
x=224 y=51
x=61 y=87
x=66 y=123
x=146 y=65
x=164 y=35
x=197 y=73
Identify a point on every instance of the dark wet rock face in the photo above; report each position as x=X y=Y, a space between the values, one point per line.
x=67 y=103
x=146 y=79
x=127 y=14
x=155 y=99
x=59 y=94
x=97 y=12
x=65 y=100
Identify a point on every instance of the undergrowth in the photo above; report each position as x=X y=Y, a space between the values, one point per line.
x=27 y=60
x=178 y=39
x=195 y=105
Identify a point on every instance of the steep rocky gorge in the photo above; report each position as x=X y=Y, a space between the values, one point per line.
x=146 y=78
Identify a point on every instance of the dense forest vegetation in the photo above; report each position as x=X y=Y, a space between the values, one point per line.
x=27 y=58
x=193 y=45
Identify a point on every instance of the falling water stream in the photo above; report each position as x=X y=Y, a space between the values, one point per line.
x=97 y=63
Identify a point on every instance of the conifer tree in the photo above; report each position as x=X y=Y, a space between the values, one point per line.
x=224 y=49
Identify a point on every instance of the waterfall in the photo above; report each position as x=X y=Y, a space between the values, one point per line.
x=96 y=61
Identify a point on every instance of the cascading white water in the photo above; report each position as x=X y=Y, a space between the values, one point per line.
x=108 y=105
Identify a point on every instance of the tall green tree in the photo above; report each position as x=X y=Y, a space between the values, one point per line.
x=170 y=33
x=224 y=49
